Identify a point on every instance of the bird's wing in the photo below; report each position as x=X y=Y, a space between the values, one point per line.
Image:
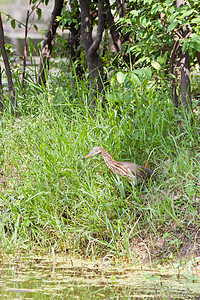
x=138 y=170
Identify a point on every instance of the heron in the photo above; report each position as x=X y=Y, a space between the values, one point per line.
x=130 y=170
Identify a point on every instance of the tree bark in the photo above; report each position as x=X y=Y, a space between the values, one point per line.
x=172 y=66
x=49 y=41
x=8 y=71
x=120 y=8
x=74 y=41
x=117 y=36
x=185 y=70
x=112 y=27
x=198 y=56
x=94 y=62
x=185 y=81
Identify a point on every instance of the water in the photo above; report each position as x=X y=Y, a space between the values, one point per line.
x=65 y=277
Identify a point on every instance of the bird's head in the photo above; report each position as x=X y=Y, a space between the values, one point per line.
x=94 y=151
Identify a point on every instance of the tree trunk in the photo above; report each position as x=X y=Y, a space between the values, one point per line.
x=94 y=62
x=198 y=56
x=185 y=70
x=117 y=36
x=8 y=70
x=172 y=66
x=74 y=41
x=26 y=44
x=185 y=81
x=120 y=7
x=112 y=27
x=49 y=41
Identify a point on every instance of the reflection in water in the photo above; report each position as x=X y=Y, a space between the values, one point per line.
x=65 y=277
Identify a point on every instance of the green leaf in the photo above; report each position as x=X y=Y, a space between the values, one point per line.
x=148 y=73
x=171 y=9
x=148 y=1
x=143 y=21
x=64 y=23
x=168 y=3
x=194 y=42
x=195 y=21
x=185 y=46
x=186 y=14
x=155 y=65
x=121 y=77
x=76 y=26
x=172 y=26
x=195 y=45
x=39 y=13
x=195 y=37
x=63 y=10
x=134 y=79
x=172 y=17
x=13 y=24
x=142 y=59
x=134 y=13
x=35 y=26
x=154 y=8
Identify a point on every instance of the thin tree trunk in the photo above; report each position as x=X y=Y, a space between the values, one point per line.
x=185 y=81
x=198 y=56
x=49 y=41
x=8 y=70
x=117 y=36
x=26 y=44
x=74 y=41
x=172 y=65
x=112 y=27
x=185 y=70
x=94 y=62
x=120 y=8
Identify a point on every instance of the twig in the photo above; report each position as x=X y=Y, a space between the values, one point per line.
x=9 y=16
x=26 y=44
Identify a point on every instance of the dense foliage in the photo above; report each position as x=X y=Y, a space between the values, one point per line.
x=153 y=26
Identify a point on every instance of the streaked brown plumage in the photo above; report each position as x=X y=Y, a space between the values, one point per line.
x=130 y=170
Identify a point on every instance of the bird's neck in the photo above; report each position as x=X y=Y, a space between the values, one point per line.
x=107 y=158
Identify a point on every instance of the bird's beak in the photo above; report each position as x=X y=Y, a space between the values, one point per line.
x=86 y=156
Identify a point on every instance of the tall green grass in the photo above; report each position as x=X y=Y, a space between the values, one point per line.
x=50 y=198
